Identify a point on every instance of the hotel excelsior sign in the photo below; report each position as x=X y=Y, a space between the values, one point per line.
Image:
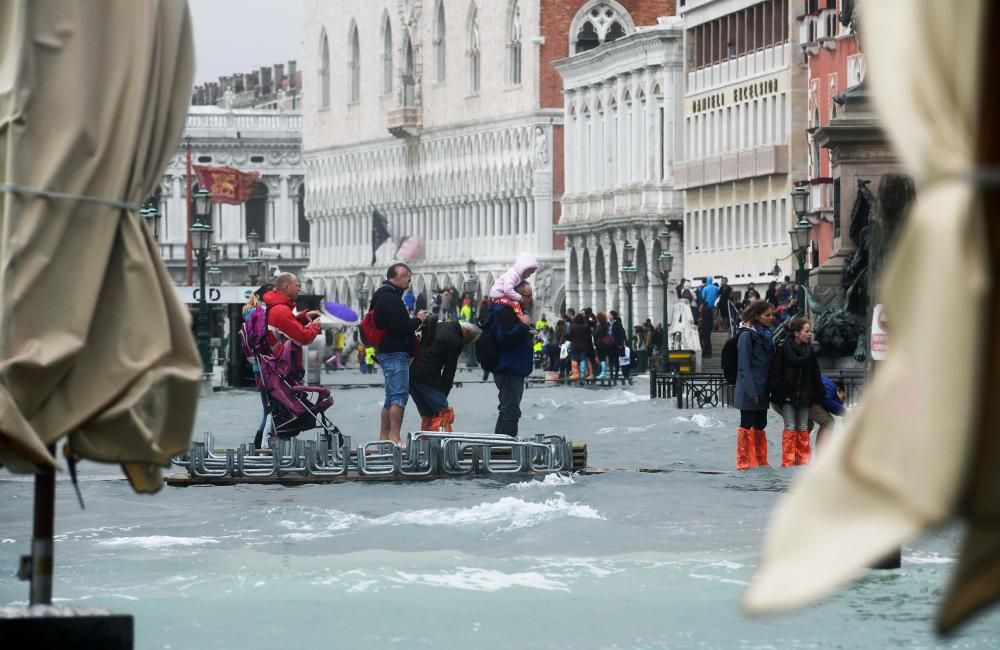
x=734 y=95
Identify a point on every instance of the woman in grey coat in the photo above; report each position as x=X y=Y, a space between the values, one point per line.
x=755 y=351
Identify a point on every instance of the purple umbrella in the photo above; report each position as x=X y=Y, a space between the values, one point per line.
x=341 y=314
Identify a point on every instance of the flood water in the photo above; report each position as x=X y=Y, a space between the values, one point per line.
x=617 y=560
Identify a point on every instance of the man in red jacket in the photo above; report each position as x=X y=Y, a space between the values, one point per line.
x=299 y=328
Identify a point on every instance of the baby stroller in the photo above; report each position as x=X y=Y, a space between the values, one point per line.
x=294 y=407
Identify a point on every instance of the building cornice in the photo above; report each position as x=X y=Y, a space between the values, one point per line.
x=655 y=47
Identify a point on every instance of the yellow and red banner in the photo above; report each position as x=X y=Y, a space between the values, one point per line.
x=227 y=185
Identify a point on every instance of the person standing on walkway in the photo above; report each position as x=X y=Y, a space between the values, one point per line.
x=755 y=352
x=580 y=344
x=432 y=373
x=709 y=295
x=617 y=331
x=725 y=300
x=514 y=341
x=397 y=346
x=796 y=385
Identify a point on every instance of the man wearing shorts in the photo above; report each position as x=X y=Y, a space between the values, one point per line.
x=396 y=348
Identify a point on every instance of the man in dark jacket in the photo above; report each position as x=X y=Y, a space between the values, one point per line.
x=514 y=342
x=432 y=374
x=725 y=300
x=396 y=348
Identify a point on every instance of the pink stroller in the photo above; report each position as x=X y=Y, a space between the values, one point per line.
x=294 y=407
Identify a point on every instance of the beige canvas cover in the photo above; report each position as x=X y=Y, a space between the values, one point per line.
x=903 y=462
x=94 y=343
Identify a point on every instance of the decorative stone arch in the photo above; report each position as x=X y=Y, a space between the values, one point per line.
x=605 y=20
x=324 y=69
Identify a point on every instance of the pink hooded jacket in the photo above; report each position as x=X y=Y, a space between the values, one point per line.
x=503 y=287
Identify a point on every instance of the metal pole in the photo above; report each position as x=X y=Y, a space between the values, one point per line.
x=42 y=532
x=203 y=336
x=666 y=319
x=187 y=181
x=628 y=292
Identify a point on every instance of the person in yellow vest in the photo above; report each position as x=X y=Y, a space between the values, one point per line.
x=465 y=313
x=370 y=359
x=541 y=324
x=339 y=341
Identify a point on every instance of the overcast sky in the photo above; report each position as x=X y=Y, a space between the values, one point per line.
x=243 y=35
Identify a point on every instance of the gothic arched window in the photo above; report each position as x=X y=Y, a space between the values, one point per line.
x=324 y=71
x=409 y=79
x=599 y=22
x=514 y=45
x=386 y=56
x=473 y=55
x=439 y=43
x=354 y=66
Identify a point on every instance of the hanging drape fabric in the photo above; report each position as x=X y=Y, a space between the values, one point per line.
x=902 y=464
x=94 y=344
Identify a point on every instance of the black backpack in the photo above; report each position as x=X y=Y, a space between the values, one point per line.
x=731 y=359
x=487 y=350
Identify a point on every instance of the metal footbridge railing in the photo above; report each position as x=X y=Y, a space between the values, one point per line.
x=428 y=454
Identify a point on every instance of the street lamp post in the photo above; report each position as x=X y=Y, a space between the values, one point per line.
x=665 y=263
x=799 y=234
x=361 y=288
x=471 y=285
x=151 y=215
x=628 y=279
x=201 y=241
x=254 y=262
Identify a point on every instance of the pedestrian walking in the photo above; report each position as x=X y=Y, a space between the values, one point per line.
x=514 y=341
x=755 y=353
x=796 y=385
x=397 y=346
x=580 y=345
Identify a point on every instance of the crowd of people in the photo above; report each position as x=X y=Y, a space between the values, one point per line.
x=418 y=351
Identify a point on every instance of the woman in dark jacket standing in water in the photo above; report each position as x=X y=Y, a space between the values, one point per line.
x=755 y=350
x=796 y=384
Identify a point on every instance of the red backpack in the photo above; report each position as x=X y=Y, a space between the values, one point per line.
x=371 y=334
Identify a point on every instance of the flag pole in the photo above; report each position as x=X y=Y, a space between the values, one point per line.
x=187 y=181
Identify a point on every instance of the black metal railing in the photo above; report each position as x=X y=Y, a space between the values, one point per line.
x=710 y=390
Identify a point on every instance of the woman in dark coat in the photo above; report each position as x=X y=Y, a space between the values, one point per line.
x=796 y=384
x=602 y=339
x=771 y=295
x=755 y=351
x=580 y=344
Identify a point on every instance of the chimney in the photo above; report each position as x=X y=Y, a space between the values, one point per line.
x=238 y=83
x=265 y=81
x=279 y=76
x=291 y=75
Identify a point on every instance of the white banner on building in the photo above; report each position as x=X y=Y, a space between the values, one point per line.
x=880 y=334
x=215 y=295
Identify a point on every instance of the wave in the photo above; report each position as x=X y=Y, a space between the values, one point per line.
x=153 y=542
x=475 y=579
x=619 y=397
x=508 y=513
x=550 y=480
x=927 y=557
x=700 y=420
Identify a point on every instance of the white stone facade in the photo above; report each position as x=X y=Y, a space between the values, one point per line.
x=744 y=137
x=266 y=141
x=623 y=134
x=468 y=164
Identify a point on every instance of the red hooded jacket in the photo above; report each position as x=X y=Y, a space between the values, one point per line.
x=281 y=316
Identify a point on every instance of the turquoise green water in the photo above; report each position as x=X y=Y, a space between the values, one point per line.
x=620 y=560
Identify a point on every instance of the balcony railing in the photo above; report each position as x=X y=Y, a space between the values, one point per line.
x=738 y=69
x=244 y=120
